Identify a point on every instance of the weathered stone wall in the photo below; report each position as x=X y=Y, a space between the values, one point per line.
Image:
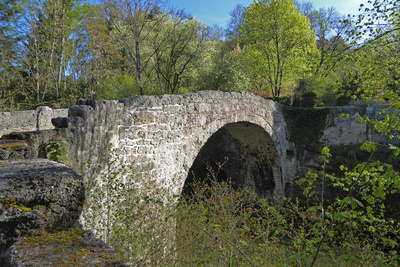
x=159 y=137
x=344 y=131
x=29 y=120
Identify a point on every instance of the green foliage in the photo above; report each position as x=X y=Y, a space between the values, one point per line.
x=306 y=126
x=129 y=211
x=220 y=226
x=355 y=217
x=55 y=150
x=180 y=46
x=308 y=99
x=117 y=87
x=227 y=74
x=376 y=37
x=279 y=42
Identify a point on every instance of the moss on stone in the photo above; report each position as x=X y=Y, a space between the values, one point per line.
x=12 y=145
x=25 y=207
x=15 y=204
x=65 y=248
x=306 y=126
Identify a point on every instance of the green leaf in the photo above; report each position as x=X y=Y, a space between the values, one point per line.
x=244 y=243
x=246 y=228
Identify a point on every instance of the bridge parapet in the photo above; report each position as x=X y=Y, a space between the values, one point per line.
x=159 y=138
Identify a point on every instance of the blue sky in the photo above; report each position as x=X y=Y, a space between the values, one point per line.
x=217 y=11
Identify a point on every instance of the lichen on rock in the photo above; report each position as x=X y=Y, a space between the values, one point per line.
x=37 y=195
x=72 y=247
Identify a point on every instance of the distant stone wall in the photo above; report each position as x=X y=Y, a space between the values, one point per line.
x=29 y=120
x=345 y=131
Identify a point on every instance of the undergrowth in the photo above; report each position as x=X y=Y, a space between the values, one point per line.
x=218 y=225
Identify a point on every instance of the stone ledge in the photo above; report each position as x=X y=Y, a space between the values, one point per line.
x=72 y=247
x=29 y=120
x=37 y=195
x=15 y=149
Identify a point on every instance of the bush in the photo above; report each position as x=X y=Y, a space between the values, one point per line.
x=308 y=99
x=284 y=100
x=222 y=226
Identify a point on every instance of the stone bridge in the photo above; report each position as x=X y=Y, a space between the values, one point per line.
x=172 y=139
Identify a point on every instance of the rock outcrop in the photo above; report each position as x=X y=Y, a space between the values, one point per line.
x=37 y=195
x=40 y=203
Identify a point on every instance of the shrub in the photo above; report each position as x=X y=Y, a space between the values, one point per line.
x=308 y=99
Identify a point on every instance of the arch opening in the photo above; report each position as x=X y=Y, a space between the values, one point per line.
x=241 y=152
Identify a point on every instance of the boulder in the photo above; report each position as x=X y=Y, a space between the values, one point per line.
x=37 y=195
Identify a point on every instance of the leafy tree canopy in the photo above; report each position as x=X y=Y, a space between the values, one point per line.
x=280 y=41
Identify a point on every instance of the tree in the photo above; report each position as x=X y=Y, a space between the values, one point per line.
x=235 y=21
x=181 y=44
x=161 y=46
x=279 y=40
x=10 y=12
x=98 y=60
x=133 y=23
x=49 y=47
x=226 y=73
x=331 y=32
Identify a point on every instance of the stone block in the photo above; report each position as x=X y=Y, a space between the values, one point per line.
x=74 y=247
x=37 y=195
x=15 y=149
x=60 y=122
x=44 y=116
x=143 y=117
x=80 y=111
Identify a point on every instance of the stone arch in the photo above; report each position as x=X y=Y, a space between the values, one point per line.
x=248 y=156
x=160 y=136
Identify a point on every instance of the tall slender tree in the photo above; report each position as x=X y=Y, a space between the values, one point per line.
x=49 y=45
x=181 y=45
x=10 y=12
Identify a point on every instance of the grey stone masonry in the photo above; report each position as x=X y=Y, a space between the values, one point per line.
x=37 y=195
x=165 y=134
x=159 y=137
x=350 y=130
x=29 y=120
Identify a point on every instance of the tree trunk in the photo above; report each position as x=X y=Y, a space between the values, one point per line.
x=61 y=54
x=138 y=66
